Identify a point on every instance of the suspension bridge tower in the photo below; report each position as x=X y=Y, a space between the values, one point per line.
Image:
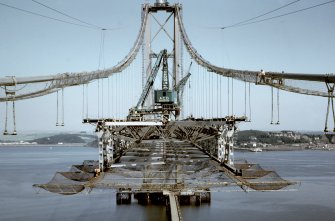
x=161 y=34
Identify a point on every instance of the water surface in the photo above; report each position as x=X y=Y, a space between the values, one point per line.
x=21 y=167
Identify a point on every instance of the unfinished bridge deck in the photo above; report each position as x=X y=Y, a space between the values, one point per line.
x=157 y=165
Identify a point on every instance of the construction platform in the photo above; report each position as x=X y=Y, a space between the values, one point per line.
x=164 y=172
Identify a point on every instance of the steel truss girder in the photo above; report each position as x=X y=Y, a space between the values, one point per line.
x=112 y=146
x=214 y=137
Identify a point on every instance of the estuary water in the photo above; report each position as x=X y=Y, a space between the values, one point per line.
x=21 y=167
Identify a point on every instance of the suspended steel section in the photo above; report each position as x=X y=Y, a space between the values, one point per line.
x=58 y=81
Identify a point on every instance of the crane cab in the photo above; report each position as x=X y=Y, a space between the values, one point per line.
x=165 y=96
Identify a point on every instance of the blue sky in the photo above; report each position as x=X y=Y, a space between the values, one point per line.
x=302 y=43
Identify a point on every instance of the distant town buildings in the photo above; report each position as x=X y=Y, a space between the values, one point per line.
x=285 y=139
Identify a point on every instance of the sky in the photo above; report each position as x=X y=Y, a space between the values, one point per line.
x=302 y=43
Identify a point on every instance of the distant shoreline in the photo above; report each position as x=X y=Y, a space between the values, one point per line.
x=45 y=145
x=284 y=147
x=288 y=147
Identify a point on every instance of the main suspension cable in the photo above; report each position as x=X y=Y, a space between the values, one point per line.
x=62 y=13
x=253 y=18
x=45 y=16
x=282 y=15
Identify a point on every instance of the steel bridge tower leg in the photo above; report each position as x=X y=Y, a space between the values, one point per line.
x=147 y=59
x=177 y=58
